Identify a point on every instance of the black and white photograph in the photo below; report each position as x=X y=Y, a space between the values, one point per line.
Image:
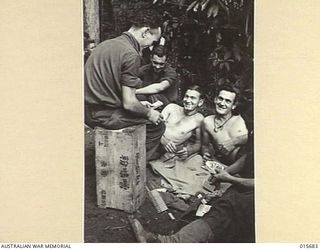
x=159 y=121
x=168 y=94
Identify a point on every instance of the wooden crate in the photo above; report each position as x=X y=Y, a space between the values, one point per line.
x=121 y=167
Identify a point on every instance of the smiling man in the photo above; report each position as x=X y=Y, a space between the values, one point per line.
x=180 y=163
x=182 y=123
x=225 y=131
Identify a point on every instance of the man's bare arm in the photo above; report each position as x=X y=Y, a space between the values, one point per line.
x=239 y=137
x=131 y=103
x=237 y=166
x=224 y=176
x=240 y=140
x=154 y=88
x=244 y=182
x=205 y=142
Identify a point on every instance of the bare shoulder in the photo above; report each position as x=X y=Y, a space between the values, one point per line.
x=171 y=107
x=238 y=125
x=238 y=122
x=199 y=118
x=207 y=121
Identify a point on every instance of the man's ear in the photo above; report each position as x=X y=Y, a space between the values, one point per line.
x=201 y=102
x=144 y=31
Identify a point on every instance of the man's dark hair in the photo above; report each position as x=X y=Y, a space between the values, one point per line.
x=229 y=88
x=196 y=88
x=159 y=50
x=146 y=18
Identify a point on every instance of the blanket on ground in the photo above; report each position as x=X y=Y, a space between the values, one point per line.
x=185 y=177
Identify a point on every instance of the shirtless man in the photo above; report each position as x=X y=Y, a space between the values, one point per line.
x=227 y=132
x=182 y=123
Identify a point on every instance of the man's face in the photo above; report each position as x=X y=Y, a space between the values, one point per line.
x=158 y=63
x=150 y=36
x=192 y=100
x=225 y=102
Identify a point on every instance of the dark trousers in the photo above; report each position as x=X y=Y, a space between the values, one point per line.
x=119 y=118
x=231 y=219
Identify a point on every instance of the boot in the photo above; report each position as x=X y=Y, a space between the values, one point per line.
x=142 y=235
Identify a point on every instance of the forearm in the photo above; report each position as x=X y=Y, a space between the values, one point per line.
x=240 y=140
x=237 y=166
x=153 y=88
x=244 y=182
x=137 y=108
x=131 y=103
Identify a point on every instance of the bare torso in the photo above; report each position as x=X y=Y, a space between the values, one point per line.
x=179 y=126
x=233 y=130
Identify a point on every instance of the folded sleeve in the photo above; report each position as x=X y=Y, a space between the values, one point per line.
x=170 y=75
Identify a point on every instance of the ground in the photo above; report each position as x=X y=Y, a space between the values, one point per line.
x=111 y=225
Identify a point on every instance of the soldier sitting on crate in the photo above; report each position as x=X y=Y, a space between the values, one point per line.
x=111 y=79
x=159 y=80
x=226 y=131
x=231 y=218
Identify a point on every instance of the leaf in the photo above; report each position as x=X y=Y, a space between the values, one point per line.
x=204 y=4
x=181 y=3
x=215 y=63
x=154 y=1
x=227 y=66
x=191 y=5
x=227 y=55
x=210 y=10
x=213 y=11
x=221 y=81
x=237 y=55
x=196 y=7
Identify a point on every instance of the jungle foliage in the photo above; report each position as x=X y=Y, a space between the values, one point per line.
x=210 y=42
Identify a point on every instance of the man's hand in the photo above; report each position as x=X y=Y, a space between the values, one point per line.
x=146 y=104
x=223 y=175
x=154 y=116
x=226 y=147
x=207 y=157
x=170 y=147
x=183 y=153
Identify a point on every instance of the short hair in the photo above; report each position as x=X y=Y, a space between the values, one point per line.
x=229 y=88
x=196 y=88
x=159 y=50
x=146 y=18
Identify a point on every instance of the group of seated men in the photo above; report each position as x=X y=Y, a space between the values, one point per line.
x=222 y=133
x=119 y=93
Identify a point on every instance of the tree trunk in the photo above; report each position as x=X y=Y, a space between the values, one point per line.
x=92 y=20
